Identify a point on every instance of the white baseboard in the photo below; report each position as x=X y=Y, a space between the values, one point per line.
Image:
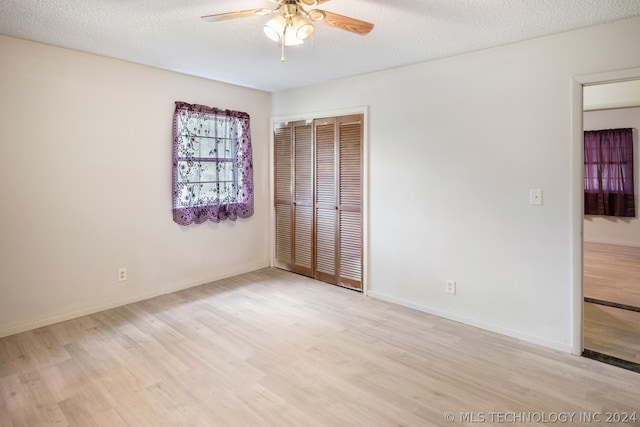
x=564 y=347
x=174 y=287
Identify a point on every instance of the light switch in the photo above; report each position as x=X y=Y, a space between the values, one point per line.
x=535 y=197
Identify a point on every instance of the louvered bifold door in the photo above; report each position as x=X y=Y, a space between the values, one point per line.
x=303 y=198
x=326 y=231
x=293 y=156
x=283 y=162
x=350 y=129
x=318 y=199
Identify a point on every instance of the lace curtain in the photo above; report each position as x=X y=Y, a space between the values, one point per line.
x=212 y=164
x=608 y=173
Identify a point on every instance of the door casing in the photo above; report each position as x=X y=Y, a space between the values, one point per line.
x=577 y=194
x=364 y=110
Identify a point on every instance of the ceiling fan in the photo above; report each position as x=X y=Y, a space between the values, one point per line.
x=294 y=24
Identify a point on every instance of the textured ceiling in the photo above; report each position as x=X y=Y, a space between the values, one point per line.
x=169 y=34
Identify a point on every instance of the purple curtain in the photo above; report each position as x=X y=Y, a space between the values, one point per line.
x=608 y=173
x=212 y=164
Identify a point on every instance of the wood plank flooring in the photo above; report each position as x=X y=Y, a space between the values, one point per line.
x=612 y=273
x=271 y=348
x=612 y=331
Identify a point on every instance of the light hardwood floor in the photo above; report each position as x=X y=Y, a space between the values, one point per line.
x=270 y=348
x=612 y=273
x=612 y=331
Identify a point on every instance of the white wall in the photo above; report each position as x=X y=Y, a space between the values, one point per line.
x=455 y=146
x=612 y=230
x=85 y=185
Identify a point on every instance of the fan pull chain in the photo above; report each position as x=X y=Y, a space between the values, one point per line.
x=284 y=37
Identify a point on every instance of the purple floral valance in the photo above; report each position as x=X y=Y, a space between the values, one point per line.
x=212 y=164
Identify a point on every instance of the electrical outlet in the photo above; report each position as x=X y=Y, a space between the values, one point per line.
x=122 y=274
x=451 y=287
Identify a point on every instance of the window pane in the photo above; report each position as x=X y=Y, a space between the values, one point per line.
x=191 y=171
x=226 y=171
x=200 y=194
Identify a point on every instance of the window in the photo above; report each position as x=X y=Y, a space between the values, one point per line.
x=608 y=173
x=212 y=165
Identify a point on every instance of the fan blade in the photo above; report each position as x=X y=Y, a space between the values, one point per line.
x=233 y=15
x=346 y=23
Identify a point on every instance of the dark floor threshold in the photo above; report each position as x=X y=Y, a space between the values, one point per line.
x=610 y=360
x=612 y=304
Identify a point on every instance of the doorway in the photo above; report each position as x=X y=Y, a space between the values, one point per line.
x=319 y=191
x=610 y=245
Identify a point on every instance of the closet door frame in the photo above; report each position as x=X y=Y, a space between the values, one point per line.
x=308 y=117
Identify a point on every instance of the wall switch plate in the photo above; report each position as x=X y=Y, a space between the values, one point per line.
x=451 y=287
x=535 y=197
x=122 y=274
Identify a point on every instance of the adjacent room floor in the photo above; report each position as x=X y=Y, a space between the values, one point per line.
x=271 y=348
x=612 y=273
x=612 y=331
x=612 y=301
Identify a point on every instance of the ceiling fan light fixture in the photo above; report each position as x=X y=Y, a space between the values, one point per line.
x=303 y=28
x=290 y=38
x=275 y=27
x=293 y=24
x=305 y=31
x=292 y=31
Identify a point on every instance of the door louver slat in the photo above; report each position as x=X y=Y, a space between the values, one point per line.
x=326 y=241
x=283 y=233
x=325 y=165
x=303 y=182
x=283 y=163
x=350 y=168
x=302 y=250
x=350 y=246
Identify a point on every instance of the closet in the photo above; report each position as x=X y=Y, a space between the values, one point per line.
x=318 y=198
